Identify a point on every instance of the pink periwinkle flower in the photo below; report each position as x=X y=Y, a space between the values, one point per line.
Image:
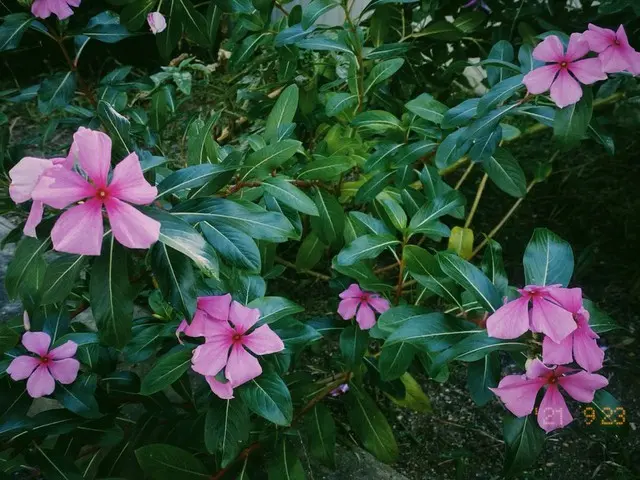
x=519 y=392
x=229 y=344
x=60 y=8
x=80 y=229
x=566 y=69
x=48 y=365
x=613 y=49
x=339 y=390
x=157 y=22
x=360 y=304
x=581 y=345
x=550 y=314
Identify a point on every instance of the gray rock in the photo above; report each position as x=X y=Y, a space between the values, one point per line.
x=8 y=309
x=354 y=464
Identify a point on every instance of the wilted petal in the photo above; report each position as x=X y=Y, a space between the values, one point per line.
x=588 y=71
x=539 y=80
x=128 y=182
x=34 y=219
x=36 y=342
x=549 y=50
x=578 y=47
x=518 y=393
x=347 y=308
x=565 y=90
x=40 y=383
x=24 y=177
x=222 y=390
x=243 y=318
x=23 y=366
x=66 y=350
x=365 y=317
x=380 y=304
x=65 y=371
x=599 y=39
x=59 y=187
x=557 y=353
x=210 y=358
x=216 y=306
x=553 y=412
x=93 y=151
x=242 y=366
x=568 y=298
x=353 y=291
x=511 y=320
x=131 y=227
x=552 y=320
x=582 y=385
x=263 y=341
x=79 y=230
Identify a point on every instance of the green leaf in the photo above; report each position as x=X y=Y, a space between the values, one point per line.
x=428 y=108
x=134 y=15
x=376 y=122
x=548 y=259
x=166 y=370
x=372 y=187
x=60 y=277
x=412 y=152
x=424 y=268
x=244 y=51
x=500 y=93
x=338 y=102
x=193 y=177
x=571 y=123
x=202 y=148
x=285 y=465
x=370 y=425
x=431 y=211
x=117 y=126
x=8 y=339
x=461 y=114
x=53 y=466
x=111 y=296
x=505 y=171
x=441 y=30
x=105 y=27
x=388 y=50
x=78 y=399
x=260 y=163
x=393 y=210
x=485 y=146
x=471 y=279
x=323 y=44
x=599 y=321
x=166 y=462
x=56 y=92
x=291 y=196
x=524 y=441
x=395 y=360
x=608 y=412
x=326 y=169
x=353 y=345
x=282 y=112
x=329 y=225
x=174 y=273
x=162 y=106
x=194 y=22
x=315 y=9
x=364 y=247
x=321 y=434
x=226 y=429
x=25 y=272
x=235 y=247
x=502 y=51
x=310 y=252
x=143 y=345
x=482 y=375
x=469 y=21
x=493 y=267
x=273 y=309
x=381 y=72
x=12 y=29
x=269 y=397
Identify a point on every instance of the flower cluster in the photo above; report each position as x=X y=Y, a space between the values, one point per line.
x=360 y=304
x=566 y=69
x=225 y=359
x=60 y=8
x=558 y=314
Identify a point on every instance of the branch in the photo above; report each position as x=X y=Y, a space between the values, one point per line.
x=320 y=276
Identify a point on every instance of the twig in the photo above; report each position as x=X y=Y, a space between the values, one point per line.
x=476 y=201
x=464 y=176
x=281 y=8
x=318 y=275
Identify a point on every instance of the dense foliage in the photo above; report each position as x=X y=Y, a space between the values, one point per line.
x=145 y=248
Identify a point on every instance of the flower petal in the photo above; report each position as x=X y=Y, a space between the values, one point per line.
x=128 y=182
x=599 y=39
x=216 y=306
x=511 y=320
x=263 y=341
x=210 y=358
x=66 y=350
x=582 y=386
x=131 y=227
x=365 y=317
x=552 y=320
x=613 y=60
x=222 y=390
x=59 y=187
x=79 y=230
x=243 y=318
x=558 y=353
x=24 y=177
x=65 y=371
x=242 y=366
x=518 y=393
x=539 y=80
x=40 y=383
x=34 y=219
x=588 y=71
x=537 y=369
x=578 y=47
x=93 y=151
x=380 y=304
x=36 y=342
x=203 y=325
x=23 y=366
x=549 y=50
x=565 y=90
x=586 y=351
x=553 y=412
x=347 y=308
x=353 y=291
x=568 y=298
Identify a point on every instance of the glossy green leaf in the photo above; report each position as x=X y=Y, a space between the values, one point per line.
x=505 y=171
x=524 y=440
x=260 y=163
x=461 y=114
x=365 y=247
x=12 y=29
x=428 y=108
x=166 y=370
x=493 y=267
x=372 y=187
x=235 y=247
x=326 y=169
x=482 y=375
x=290 y=195
x=175 y=276
x=353 y=345
x=310 y=252
x=269 y=397
x=329 y=225
x=166 y=462
x=321 y=434
x=283 y=111
x=548 y=259
x=440 y=206
x=571 y=123
x=315 y=9
x=381 y=72
x=25 y=272
x=226 y=428
x=60 y=277
x=502 y=51
x=117 y=126
x=56 y=92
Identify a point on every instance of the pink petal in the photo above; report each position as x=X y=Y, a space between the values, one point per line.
x=24 y=177
x=380 y=304
x=222 y=390
x=40 y=383
x=61 y=9
x=578 y=47
x=157 y=22
x=66 y=350
x=347 y=308
x=40 y=9
x=263 y=341
x=553 y=412
x=79 y=230
x=539 y=80
x=59 y=187
x=242 y=366
x=34 y=219
x=586 y=350
x=365 y=317
x=558 y=353
x=203 y=325
x=552 y=320
x=613 y=60
x=210 y=358
x=588 y=71
x=93 y=151
x=23 y=366
x=128 y=182
x=549 y=50
x=537 y=369
x=243 y=318
x=518 y=393
x=353 y=291
x=511 y=320
x=621 y=36
x=599 y=39
x=568 y=298
x=634 y=63
x=36 y=342
x=131 y=227
x=582 y=386
x=216 y=306
x=65 y=371
x=565 y=90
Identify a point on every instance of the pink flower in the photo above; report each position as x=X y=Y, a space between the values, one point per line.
x=80 y=229
x=581 y=344
x=24 y=178
x=60 y=8
x=228 y=346
x=156 y=22
x=550 y=314
x=518 y=392
x=209 y=311
x=559 y=76
x=339 y=390
x=49 y=365
x=613 y=49
x=356 y=303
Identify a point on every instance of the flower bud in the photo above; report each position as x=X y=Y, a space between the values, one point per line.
x=157 y=22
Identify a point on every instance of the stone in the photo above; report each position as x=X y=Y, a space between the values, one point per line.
x=356 y=463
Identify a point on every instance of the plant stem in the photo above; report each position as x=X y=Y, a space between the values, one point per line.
x=464 y=176
x=400 y=284
x=476 y=201
x=320 y=276
x=281 y=8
